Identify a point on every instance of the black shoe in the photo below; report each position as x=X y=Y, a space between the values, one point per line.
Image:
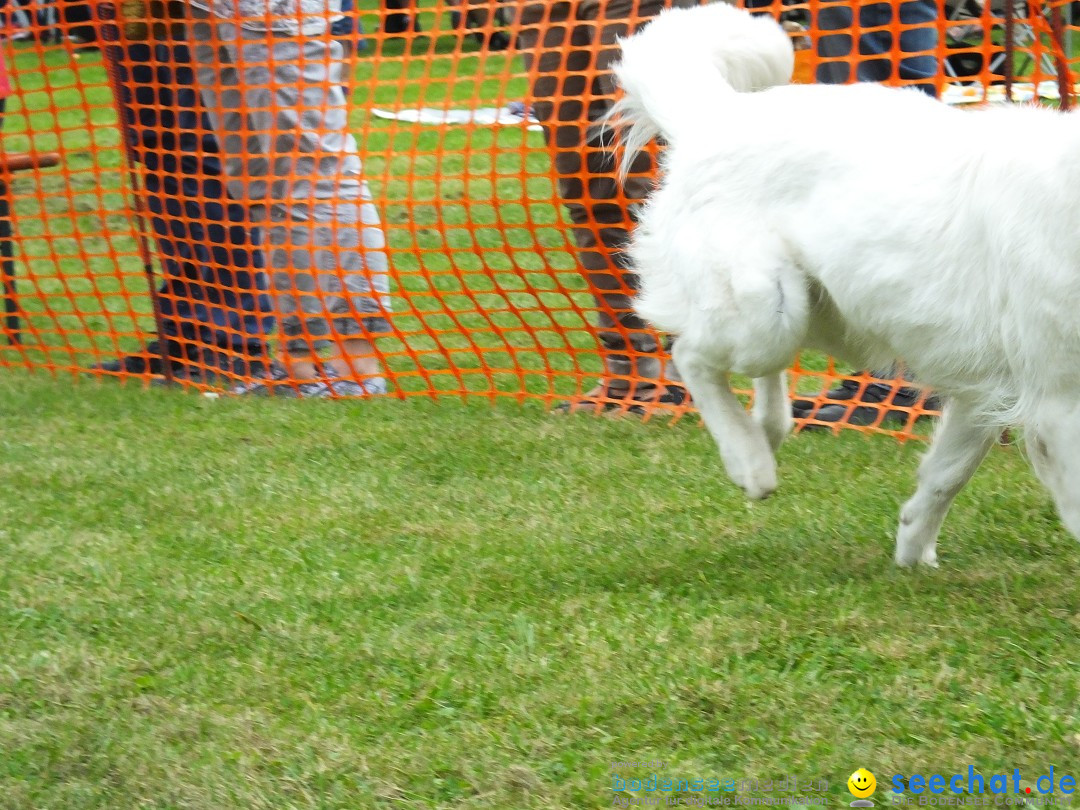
x=861 y=416
x=190 y=375
x=214 y=368
x=148 y=361
x=847 y=389
x=872 y=394
x=130 y=364
x=639 y=401
x=833 y=414
x=671 y=396
x=187 y=362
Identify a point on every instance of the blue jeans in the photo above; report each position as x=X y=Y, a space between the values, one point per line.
x=349 y=30
x=838 y=16
x=214 y=292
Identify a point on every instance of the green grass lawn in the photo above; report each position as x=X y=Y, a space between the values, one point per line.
x=416 y=604
x=304 y=604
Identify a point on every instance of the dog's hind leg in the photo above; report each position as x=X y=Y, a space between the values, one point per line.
x=958 y=447
x=744 y=447
x=1053 y=447
x=772 y=408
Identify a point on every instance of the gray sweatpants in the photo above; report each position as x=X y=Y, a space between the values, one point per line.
x=279 y=111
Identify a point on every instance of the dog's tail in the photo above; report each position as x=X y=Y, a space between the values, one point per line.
x=678 y=71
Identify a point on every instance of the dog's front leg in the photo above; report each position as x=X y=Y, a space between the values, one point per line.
x=958 y=447
x=744 y=447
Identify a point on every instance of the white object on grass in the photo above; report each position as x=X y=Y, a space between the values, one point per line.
x=512 y=114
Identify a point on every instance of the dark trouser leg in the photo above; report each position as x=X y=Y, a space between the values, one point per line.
x=918 y=37
x=213 y=297
x=7 y=258
x=77 y=15
x=397 y=23
x=7 y=262
x=569 y=47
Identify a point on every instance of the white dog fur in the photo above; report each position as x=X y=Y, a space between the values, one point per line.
x=872 y=223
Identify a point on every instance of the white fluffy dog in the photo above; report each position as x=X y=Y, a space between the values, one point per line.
x=870 y=223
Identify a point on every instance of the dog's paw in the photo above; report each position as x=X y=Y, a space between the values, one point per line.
x=759 y=493
x=908 y=555
x=758 y=482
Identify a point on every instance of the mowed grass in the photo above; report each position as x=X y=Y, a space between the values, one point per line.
x=273 y=604
x=256 y=604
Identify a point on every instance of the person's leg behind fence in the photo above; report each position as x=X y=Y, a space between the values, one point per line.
x=569 y=48
x=278 y=107
x=215 y=308
x=835 y=51
x=399 y=21
x=918 y=36
x=836 y=17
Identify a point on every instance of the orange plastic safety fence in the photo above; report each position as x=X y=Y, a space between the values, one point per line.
x=281 y=195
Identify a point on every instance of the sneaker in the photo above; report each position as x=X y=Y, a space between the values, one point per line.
x=375 y=386
x=343 y=387
x=262 y=384
x=271 y=381
x=275 y=381
x=639 y=401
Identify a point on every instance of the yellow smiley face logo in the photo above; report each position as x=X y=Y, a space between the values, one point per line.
x=862 y=784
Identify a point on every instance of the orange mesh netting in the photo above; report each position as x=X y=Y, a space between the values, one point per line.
x=213 y=189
